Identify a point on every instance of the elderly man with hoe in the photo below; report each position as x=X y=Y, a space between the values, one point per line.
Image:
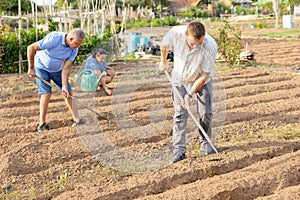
x=51 y=59
x=194 y=59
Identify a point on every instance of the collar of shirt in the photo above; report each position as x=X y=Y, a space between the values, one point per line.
x=63 y=41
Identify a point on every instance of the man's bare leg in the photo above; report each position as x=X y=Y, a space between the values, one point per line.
x=44 y=102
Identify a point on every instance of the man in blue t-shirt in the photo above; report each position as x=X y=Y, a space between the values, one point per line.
x=51 y=58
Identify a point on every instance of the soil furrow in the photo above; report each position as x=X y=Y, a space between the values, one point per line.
x=192 y=170
x=287 y=193
x=248 y=183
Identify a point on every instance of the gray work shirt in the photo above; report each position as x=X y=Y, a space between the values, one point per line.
x=188 y=65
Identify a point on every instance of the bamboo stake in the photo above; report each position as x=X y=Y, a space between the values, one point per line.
x=19 y=37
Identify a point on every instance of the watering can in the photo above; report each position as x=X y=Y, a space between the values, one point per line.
x=88 y=80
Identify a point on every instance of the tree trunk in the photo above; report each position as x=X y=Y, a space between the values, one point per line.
x=276 y=11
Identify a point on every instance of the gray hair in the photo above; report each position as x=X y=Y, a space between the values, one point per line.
x=77 y=33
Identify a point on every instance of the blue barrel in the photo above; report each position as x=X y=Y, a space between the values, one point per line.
x=144 y=41
x=133 y=40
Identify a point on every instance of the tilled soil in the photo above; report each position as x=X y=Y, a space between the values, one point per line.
x=129 y=159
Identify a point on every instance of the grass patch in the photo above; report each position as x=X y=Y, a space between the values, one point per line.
x=287 y=132
x=290 y=33
x=223 y=66
x=50 y=188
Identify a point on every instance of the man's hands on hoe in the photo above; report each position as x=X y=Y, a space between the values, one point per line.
x=187 y=100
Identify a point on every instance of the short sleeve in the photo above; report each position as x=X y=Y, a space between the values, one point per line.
x=48 y=42
x=168 y=39
x=73 y=55
x=91 y=63
x=209 y=61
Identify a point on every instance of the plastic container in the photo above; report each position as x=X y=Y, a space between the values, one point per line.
x=144 y=41
x=133 y=40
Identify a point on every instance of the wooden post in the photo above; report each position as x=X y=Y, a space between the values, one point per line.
x=95 y=17
x=50 y=8
x=89 y=17
x=80 y=14
x=123 y=21
x=20 y=39
x=36 y=23
x=103 y=21
x=47 y=23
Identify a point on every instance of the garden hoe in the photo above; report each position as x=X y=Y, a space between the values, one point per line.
x=99 y=116
x=192 y=115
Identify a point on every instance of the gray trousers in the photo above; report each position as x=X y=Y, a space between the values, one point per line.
x=204 y=109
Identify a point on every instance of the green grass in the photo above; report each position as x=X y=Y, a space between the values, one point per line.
x=287 y=132
x=223 y=66
x=283 y=33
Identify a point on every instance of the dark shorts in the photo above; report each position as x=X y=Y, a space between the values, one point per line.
x=43 y=88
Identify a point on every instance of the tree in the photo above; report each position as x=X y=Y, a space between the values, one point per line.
x=11 y=6
x=293 y=3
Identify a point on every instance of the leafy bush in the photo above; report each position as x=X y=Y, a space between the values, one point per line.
x=157 y=22
x=166 y=21
x=52 y=25
x=222 y=9
x=229 y=43
x=193 y=13
x=10 y=52
x=261 y=24
x=91 y=42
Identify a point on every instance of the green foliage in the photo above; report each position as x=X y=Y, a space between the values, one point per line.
x=9 y=51
x=11 y=6
x=261 y=24
x=282 y=33
x=41 y=21
x=170 y=21
x=193 y=13
x=166 y=21
x=76 y=24
x=61 y=3
x=91 y=42
x=52 y=26
x=153 y=4
x=222 y=9
x=229 y=43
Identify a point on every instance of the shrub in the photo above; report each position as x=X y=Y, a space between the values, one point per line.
x=167 y=21
x=10 y=51
x=229 y=43
x=261 y=24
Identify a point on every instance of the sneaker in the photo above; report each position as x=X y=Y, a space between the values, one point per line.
x=43 y=127
x=80 y=122
x=178 y=157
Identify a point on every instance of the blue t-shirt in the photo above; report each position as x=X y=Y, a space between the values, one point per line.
x=92 y=63
x=54 y=52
